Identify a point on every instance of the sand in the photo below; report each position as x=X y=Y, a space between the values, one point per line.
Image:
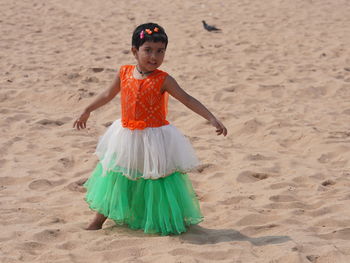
x=276 y=189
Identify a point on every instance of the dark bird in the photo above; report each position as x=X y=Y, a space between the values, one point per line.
x=209 y=27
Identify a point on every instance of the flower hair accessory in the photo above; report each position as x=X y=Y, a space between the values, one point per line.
x=148 y=31
x=142 y=34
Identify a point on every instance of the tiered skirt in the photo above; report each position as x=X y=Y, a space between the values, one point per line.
x=141 y=180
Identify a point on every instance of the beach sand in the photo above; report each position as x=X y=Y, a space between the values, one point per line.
x=276 y=189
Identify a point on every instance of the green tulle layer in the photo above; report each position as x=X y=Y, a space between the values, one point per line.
x=165 y=206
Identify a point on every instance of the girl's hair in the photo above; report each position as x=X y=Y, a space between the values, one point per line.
x=141 y=35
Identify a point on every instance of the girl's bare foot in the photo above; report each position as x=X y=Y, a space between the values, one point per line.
x=97 y=223
x=93 y=226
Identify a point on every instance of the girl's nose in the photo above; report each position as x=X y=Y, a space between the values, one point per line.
x=153 y=55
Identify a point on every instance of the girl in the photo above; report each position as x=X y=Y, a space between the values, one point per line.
x=141 y=179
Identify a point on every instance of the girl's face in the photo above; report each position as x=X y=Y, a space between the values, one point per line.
x=150 y=55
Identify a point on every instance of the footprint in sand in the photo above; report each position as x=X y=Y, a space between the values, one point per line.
x=328 y=182
x=48 y=122
x=77 y=186
x=250 y=177
x=63 y=164
x=97 y=70
x=47 y=235
x=66 y=162
x=83 y=93
x=40 y=184
x=44 y=184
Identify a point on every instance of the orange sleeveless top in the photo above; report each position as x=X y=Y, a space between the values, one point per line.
x=142 y=103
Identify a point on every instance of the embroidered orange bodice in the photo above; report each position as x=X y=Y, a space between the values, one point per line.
x=143 y=105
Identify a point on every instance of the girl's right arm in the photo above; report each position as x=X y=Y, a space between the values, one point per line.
x=101 y=100
x=170 y=85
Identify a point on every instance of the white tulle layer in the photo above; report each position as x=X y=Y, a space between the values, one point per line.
x=150 y=153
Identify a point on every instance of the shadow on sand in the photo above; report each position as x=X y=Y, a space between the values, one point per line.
x=199 y=235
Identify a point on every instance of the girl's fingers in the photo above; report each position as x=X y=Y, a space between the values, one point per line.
x=225 y=131
x=221 y=129
x=80 y=123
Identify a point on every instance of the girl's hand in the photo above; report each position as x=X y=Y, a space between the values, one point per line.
x=220 y=128
x=170 y=85
x=81 y=121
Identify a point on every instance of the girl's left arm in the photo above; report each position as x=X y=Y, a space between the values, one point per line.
x=170 y=85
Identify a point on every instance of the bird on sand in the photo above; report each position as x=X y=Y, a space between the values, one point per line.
x=209 y=27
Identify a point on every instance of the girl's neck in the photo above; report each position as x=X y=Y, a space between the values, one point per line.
x=143 y=73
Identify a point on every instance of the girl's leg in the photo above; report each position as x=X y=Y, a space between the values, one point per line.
x=97 y=223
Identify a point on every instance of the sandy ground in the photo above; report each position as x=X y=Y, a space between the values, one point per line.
x=276 y=189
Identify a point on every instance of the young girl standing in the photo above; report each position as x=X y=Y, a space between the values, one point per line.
x=140 y=179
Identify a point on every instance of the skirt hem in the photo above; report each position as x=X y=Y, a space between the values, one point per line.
x=164 y=206
x=127 y=223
